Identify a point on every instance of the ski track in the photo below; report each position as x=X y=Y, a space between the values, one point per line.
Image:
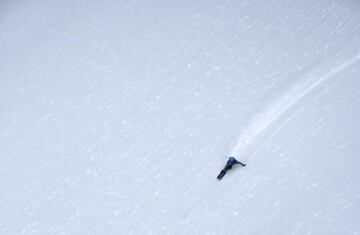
x=272 y=113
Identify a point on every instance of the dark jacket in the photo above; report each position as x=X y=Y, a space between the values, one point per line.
x=231 y=162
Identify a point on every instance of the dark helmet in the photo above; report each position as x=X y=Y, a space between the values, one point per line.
x=231 y=158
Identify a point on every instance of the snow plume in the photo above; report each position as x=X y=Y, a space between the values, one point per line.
x=274 y=110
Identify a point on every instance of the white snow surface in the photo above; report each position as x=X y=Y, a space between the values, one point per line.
x=117 y=116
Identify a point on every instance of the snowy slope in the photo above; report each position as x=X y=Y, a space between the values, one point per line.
x=116 y=117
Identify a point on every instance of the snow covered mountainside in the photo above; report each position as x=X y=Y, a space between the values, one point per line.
x=117 y=116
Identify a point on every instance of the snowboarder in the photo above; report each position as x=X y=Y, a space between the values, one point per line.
x=229 y=164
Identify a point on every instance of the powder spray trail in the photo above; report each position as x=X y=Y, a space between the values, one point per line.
x=295 y=93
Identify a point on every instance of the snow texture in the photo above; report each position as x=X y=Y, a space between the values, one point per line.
x=117 y=116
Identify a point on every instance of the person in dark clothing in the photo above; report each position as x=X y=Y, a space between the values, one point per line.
x=229 y=164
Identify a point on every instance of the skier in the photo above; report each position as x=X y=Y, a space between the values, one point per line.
x=229 y=164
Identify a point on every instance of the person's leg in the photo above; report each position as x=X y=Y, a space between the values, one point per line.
x=221 y=175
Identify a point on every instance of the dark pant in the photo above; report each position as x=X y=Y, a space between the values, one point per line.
x=221 y=175
x=223 y=172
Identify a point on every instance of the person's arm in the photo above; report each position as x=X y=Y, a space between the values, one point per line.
x=242 y=164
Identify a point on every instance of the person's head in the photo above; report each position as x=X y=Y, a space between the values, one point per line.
x=232 y=158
